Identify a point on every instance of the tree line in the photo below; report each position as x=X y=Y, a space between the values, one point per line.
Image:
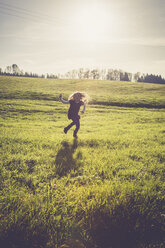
x=112 y=74
x=14 y=70
x=82 y=73
x=151 y=79
x=103 y=74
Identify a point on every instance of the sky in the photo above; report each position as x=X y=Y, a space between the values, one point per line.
x=56 y=36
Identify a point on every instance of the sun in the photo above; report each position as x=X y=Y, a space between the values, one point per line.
x=93 y=22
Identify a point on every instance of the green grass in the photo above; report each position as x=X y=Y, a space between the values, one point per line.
x=110 y=182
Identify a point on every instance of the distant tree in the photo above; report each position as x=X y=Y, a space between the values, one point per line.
x=109 y=75
x=58 y=75
x=87 y=74
x=103 y=73
x=51 y=76
x=117 y=75
x=80 y=73
x=74 y=74
x=9 y=70
x=16 y=70
x=113 y=75
x=137 y=76
x=93 y=74
x=26 y=74
x=129 y=76
x=122 y=76
x=126 y=78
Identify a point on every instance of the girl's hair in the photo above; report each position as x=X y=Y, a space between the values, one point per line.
x=82 y=95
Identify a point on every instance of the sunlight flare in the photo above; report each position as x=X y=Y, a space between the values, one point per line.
x=93 y=22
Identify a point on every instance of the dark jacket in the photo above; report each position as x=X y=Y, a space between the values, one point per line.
x=74 y=109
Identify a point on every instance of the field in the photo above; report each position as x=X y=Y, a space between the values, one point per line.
x=105 y=189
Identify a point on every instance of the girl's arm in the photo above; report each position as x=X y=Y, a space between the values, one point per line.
x=62 y=100
x=84 y=107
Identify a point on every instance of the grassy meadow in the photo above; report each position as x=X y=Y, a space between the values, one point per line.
x=105 y=189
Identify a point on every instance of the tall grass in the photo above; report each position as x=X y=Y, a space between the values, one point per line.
x=106 y=188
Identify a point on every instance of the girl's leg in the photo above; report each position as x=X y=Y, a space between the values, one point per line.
x=77 y=122
x=68 y=127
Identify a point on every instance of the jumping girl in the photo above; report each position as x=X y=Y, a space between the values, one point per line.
x=76 y=100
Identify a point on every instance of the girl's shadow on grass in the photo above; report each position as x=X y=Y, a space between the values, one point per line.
x=65 y=161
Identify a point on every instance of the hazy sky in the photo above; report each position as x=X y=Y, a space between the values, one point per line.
x=60 y=35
